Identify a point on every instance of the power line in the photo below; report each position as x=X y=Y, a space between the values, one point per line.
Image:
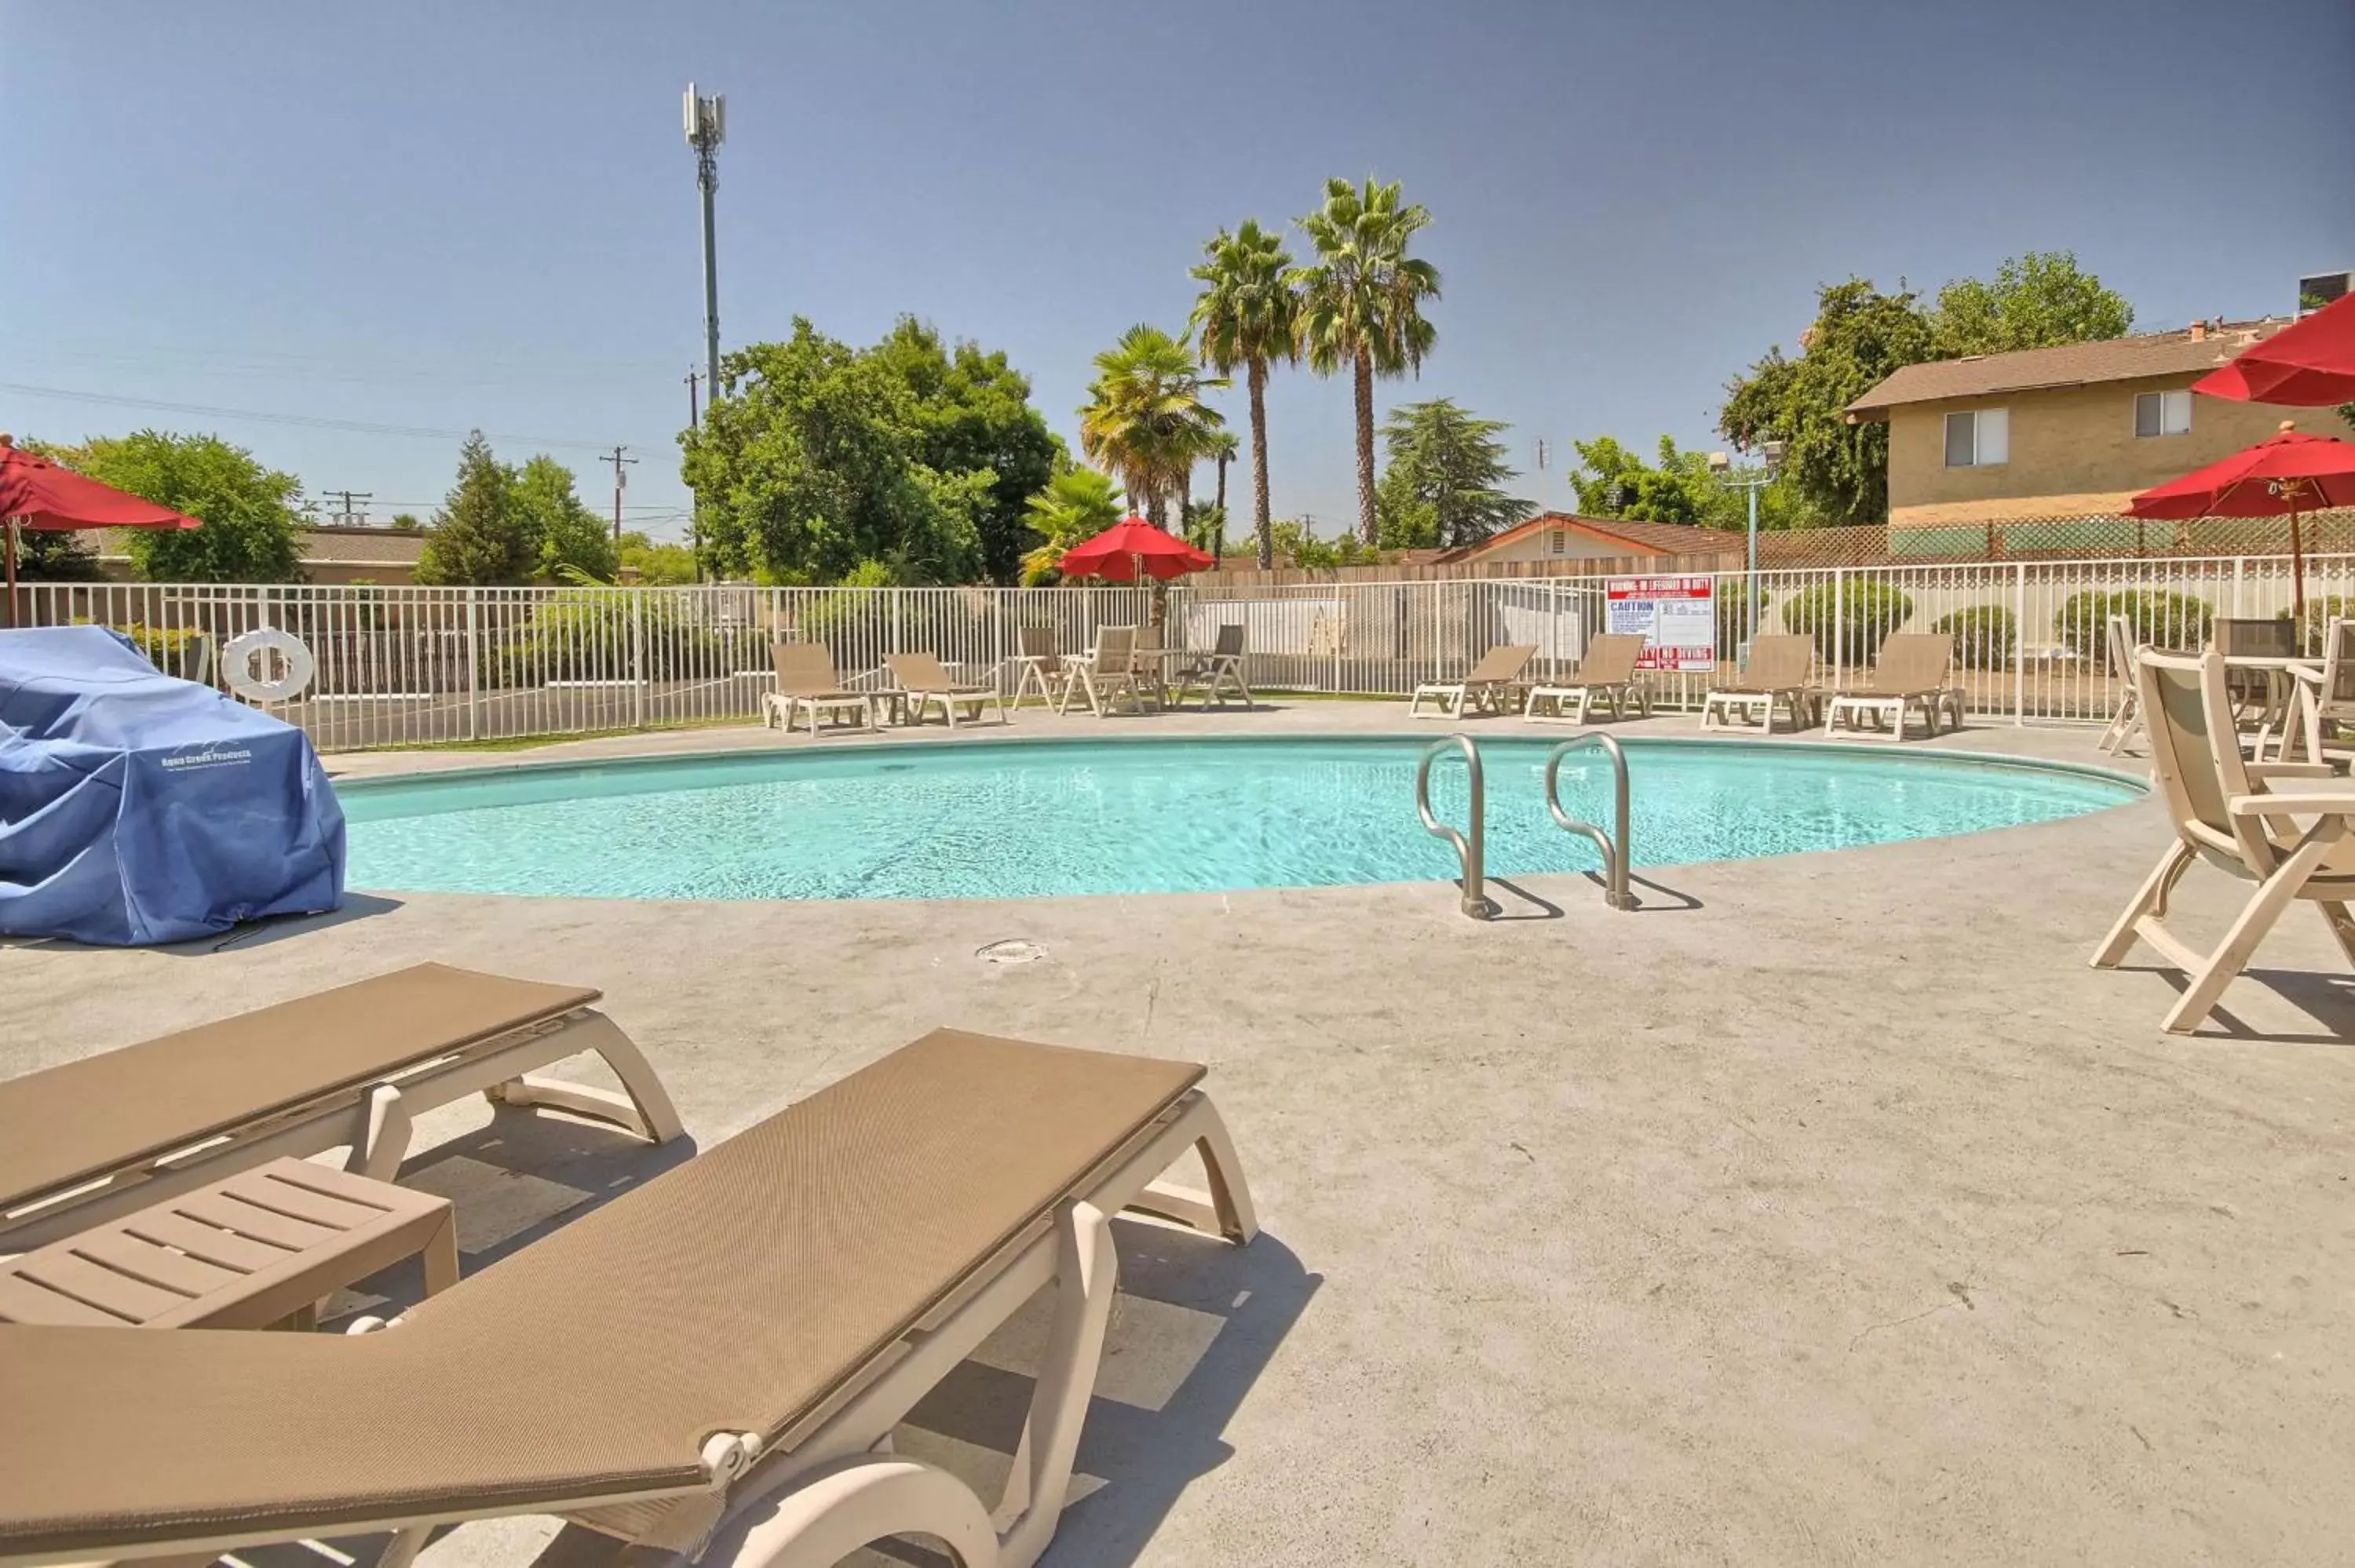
x=308 y=421
x=345 y=517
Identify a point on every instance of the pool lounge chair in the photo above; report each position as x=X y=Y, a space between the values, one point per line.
x=1039 y=665
x=2244 y=819
x=1777 y=671
x=1913 y=670
x=2125 y=719
x=806 y=680
x=1492 y=685
x=707 y=1368
x=923 y=683
x=1220 y=668
x=1607 y=674
x=89 y=1141
x=1107 y=675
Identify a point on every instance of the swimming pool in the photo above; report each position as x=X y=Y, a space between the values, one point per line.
x=1025 y=819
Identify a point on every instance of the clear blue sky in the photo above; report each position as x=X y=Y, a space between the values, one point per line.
x=449 y=214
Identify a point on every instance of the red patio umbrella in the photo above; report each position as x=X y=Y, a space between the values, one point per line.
x=37 y=493
x=2309 y=363
x=1133 y=549
x=2284 y=474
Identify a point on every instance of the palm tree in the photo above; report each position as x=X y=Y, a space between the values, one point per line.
x=1074 y=508
x=1247 y=316
x=1361 y=303
x=1222 y=452
x=1145 y=417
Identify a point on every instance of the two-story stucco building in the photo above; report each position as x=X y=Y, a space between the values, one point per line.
x=2065 y=432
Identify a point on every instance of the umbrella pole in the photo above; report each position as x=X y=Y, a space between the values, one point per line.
x=2297 y=580
x=11 y=549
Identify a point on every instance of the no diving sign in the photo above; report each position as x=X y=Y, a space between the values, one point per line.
x=1676 y=615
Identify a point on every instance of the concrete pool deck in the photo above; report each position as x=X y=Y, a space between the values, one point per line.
x=1827 y=1209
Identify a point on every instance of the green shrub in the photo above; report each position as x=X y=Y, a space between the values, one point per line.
x=591 y=635
x=2162 y=619
x=1984 y=634
x=167 y=647
x=1848 y=621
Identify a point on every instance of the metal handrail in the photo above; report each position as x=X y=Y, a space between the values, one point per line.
x=1614 y=844
x=1469 y=850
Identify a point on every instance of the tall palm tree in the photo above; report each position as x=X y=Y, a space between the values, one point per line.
x=1362 y=303
x=1222 y=452
x=1247 y=316
x=1145 y=417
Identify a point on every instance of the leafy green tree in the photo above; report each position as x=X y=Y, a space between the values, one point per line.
x=813 y=465
x=574 y=543
x=1145 y=417
x=1443 y=486
x=1295 y=543
x=407 y=521
x=249 y=513
x=1070 y=509
x=1248 y=315
x=1611 y=481
x=1363 y=303
x=1858 y=337
x=2035 y=300
x=482 y=535
x=972 y=411
x=657 y=565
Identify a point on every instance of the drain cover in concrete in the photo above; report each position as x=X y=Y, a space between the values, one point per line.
x=1013 y=950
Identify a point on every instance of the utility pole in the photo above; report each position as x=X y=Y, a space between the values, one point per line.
x=621 y=483
x=706 y=127
x=693 y=418
x=345 y=516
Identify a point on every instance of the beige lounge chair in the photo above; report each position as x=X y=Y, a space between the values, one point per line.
x=806 y=680
x=1492 y=685
x=91 y=1140
x=1039 y=665
x=1214 y=671
x=1777 y=671
x=1107 y=675
x=2327 y=695
x=1607 y=674
x=923 y=682
x=1915 y=669
x=2242 y=818
x=710 y=1366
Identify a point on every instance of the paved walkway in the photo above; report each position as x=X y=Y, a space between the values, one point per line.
x=1827 y=1210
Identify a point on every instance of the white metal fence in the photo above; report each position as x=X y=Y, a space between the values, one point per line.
x=401 y=665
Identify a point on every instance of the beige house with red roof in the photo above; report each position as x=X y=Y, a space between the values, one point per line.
x=2064 y=432
x=1566 y=536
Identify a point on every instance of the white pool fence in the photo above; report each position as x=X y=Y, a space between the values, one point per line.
x=401 y=665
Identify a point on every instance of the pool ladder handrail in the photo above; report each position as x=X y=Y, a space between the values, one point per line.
x=1470 y=850
x=1614 y=844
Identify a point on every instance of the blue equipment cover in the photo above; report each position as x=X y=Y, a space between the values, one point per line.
x=138 y=808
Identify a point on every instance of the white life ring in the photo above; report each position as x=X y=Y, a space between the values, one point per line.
x=246 y=656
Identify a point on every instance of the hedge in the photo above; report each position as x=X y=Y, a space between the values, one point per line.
x=1984 y=634
x=2162 y=619
x=1848 y=625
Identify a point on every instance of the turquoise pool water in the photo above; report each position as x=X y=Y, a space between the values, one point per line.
x=980 y=819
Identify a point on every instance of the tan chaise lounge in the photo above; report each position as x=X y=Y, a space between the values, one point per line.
x=806 y=681
x=1107 y=675
x=84 y=1142
x=1914 y=670
x=923 y=683
x=2287 y=829
x=1606 y=674
x=1777 y=671
x=1493 y=685
x=710 y=1366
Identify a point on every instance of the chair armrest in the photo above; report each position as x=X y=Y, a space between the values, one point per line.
x=2303 y=802
x=2261 y=771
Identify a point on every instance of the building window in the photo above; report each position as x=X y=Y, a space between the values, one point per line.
x=1978 y=439
x=1557 y=541
x=2163 y=413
